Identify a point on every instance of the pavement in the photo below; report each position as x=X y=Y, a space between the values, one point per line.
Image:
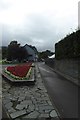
x=28 y=102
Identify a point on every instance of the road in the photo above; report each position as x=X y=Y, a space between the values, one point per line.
x=63 y=93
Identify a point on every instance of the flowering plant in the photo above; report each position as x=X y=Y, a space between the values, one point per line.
x=19 y=71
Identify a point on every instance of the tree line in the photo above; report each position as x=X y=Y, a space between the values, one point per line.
x=16 y=52
x=44 y=54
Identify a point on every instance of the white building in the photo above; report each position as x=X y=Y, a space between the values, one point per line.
x=32 y=51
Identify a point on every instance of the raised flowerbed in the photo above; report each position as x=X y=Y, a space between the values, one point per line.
x=19 y=73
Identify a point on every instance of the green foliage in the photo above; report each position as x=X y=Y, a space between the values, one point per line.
x=69 y=47
x=44 y=55
x=16 y=52
x=4 y=52
x=13 y=49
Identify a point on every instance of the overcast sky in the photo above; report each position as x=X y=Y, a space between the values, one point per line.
x=41 y=23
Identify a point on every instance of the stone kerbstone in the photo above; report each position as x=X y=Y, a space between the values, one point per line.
x=44 y=116
x=9 y=105
x=21 y=98
x=53 y=113
x=26 y=102
x=17 y=114
x=34 y=114
x=6 y=101
x=31 y=107
x=13 y=98
x=47 y=111
x=34 y=101
x=20 y=107
x=42 y=102
x=42 y=111
x=11 y=110
x=17 y=119
x=46 y=98
x=45 y=107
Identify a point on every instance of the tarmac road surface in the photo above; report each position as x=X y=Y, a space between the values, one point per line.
x=64 y=94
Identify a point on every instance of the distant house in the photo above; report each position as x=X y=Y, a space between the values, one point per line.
x=32 y=53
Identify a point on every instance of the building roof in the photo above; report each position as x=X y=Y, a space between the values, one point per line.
x=33 y=47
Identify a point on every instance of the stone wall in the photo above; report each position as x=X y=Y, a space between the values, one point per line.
x=69 y=68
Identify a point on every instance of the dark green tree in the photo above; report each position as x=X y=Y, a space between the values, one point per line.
x=13 y=49
x=16 y=52
x=44 y=54
x=4 y=52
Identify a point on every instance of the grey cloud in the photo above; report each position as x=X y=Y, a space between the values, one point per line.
x=38 y=31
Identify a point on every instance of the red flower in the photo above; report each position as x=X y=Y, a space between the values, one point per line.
x=20 y=70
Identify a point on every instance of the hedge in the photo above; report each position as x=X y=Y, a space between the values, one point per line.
x=69 y=47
